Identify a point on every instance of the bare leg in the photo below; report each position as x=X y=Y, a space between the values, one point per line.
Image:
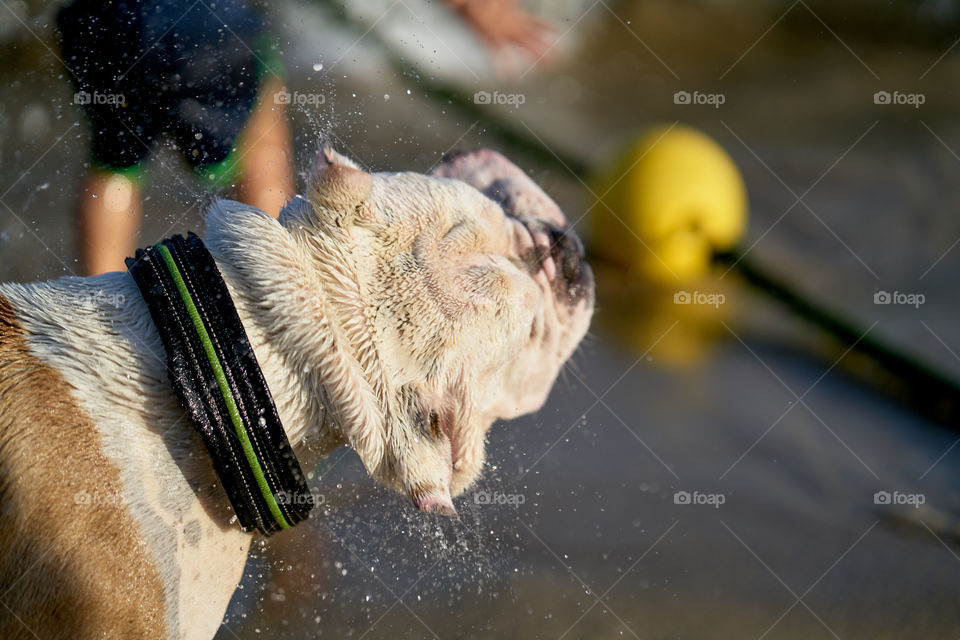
x=108 y=217
x=266 y=148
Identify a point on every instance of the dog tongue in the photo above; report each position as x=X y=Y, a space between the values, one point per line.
x=503 y=182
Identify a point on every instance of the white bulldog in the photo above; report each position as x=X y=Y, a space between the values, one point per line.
x=398 y=313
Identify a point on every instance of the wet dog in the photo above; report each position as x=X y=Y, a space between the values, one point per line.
x=398 y=313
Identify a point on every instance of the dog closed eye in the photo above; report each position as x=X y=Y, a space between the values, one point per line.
x=463 y=237
x=433 y=423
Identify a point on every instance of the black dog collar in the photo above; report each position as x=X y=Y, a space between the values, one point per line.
x=218 y=380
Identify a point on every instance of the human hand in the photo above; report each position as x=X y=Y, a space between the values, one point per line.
x=503 y=23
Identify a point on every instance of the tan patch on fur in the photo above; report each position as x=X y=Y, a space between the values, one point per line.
x=67 y=570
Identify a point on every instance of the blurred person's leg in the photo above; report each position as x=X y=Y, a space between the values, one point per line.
x=266 y=154
x=108 y=218
x=99 y=43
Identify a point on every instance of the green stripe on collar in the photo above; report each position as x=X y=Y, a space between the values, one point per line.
x=238 y=427
x=219 y=383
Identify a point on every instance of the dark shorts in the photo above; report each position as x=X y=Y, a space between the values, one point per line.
x=190 y=70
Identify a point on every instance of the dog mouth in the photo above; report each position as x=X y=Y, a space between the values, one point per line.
x=554 y=251
x=544 y=241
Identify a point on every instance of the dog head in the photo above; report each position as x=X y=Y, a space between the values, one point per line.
x=458 y=296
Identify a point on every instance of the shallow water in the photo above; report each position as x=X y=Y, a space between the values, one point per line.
x=597 y=546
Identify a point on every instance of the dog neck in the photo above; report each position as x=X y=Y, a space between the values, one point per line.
x=311 y=359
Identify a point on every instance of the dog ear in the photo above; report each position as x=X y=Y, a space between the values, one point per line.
x=466 y=429
x=448 y=446
x=418 y=460
x=338 y=187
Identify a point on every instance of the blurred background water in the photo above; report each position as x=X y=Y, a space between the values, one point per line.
x=746 y=402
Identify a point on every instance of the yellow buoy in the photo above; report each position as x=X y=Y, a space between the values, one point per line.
x=671 y=200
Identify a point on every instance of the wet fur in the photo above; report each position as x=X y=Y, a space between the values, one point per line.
x=375 y=322
x=52 y=541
